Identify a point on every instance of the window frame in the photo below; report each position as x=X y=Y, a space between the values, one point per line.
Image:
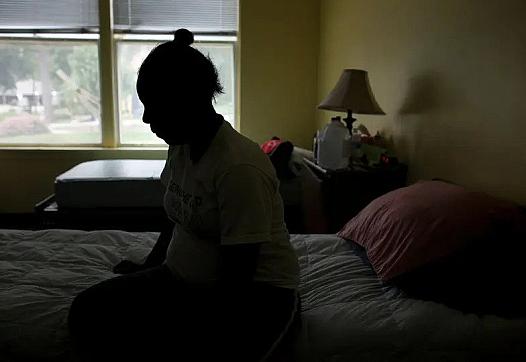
x=107 y=39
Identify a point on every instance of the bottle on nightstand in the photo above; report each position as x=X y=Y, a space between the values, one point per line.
x=333 y=145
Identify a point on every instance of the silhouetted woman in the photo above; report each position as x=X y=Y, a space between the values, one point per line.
x=220 y=283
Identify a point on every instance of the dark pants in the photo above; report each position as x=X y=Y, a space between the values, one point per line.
x=150 y=315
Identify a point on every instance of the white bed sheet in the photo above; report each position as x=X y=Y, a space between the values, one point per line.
x=347 y=313
x=41 y=272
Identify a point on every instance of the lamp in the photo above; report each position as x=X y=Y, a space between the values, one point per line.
x=351 y=94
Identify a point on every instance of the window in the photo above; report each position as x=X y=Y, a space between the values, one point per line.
x=50 y=88
x=49 y=92
x=49 y=84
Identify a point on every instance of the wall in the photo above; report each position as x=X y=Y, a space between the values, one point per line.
x=451 y=77
x=279 y=52
x=277 y=64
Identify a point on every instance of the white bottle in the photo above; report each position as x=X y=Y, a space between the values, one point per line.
x=334 y=145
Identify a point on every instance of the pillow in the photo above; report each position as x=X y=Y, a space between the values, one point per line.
x=410 y=227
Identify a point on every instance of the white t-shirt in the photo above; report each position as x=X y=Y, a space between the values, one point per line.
x=230 y=196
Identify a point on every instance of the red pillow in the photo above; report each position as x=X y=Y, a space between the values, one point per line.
x=413 y=226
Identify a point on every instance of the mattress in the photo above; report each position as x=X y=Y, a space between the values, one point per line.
x=347 y=313
x=111 y=183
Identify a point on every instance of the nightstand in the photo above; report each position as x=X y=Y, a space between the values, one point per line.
x=345 y=192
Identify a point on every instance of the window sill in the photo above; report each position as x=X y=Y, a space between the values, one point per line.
x=81 y=148
x=88 y=152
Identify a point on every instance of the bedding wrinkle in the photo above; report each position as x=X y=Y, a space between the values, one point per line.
x=348 y=314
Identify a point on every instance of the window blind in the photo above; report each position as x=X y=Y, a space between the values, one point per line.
x=198 y=16
x=51 y=15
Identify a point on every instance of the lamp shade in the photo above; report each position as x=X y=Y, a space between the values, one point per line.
x=352 y=93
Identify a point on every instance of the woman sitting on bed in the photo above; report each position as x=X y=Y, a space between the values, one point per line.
x=221 y=281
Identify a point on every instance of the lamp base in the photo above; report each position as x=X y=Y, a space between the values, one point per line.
x=349 y=121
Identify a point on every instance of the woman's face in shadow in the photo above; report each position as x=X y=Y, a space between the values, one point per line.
x=168 y=115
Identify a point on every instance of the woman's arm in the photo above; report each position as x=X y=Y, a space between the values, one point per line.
x=158 y=253
x=245 y=200
x=156 y=256
x=238 y=263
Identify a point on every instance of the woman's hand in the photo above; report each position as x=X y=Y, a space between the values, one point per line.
x=127 y=267
x=157 y=254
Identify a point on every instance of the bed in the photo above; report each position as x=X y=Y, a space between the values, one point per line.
x=347 y=313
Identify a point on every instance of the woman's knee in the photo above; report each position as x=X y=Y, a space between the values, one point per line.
x=81 y=311
x=89 y=307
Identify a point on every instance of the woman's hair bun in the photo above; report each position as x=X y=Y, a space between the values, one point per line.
x=183 y=37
